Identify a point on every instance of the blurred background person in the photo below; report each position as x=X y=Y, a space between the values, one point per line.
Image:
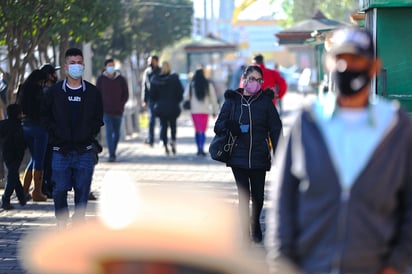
x=271 y=79
x=14 y=145
x=47 y=186
x=166 y=93
x=147 y=102
x=203 y=102
x=115 y=94
x=31 y=98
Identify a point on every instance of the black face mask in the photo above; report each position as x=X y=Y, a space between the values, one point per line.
x=349 y=82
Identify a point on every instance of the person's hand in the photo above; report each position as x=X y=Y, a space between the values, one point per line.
x=388 y=270
x=233 y=127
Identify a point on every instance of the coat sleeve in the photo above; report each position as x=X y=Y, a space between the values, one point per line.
x=125 y=91
x=224 y=115
x=400 y=256
x=275 y=126
x=98 y=115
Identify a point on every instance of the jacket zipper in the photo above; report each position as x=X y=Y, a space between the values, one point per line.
x=251 y=136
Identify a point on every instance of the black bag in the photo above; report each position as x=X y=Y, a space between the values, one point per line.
x=186 y=105
x=220 y=148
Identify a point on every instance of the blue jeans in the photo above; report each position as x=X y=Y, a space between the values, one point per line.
x=36 y=138
x=71 y=170
x=112 y=124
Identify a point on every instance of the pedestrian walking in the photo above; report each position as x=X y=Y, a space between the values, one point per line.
x=115 y=94
x=202 y=97
x=152 y=70
x=31 y=97
x=73 y=113
x=166 y=93
x=47 y=186
x=342 y=201
x=14 y=145
x=249 y=114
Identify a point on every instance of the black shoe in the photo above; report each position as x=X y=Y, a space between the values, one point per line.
x=112 y=159
x=147 y=142
x=7 y=206
x=167 y=150
x=28 y=197
x=91 y=197
x=22 y=202
x=201 y=153
x=173 y=146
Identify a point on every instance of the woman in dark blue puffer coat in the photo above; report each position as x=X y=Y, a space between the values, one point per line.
x=249 y=114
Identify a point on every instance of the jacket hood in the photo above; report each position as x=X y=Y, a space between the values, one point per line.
x=229 y=94
x=116 y=74
x=161 y=79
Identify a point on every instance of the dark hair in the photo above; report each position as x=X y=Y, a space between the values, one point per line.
x=49 y=68
x=73 y=52
x=155 y=57
x=34 y=77
x=250 y=69
x=13 y=111
x=258 y=59
x=30 y=85
x=200 y=84
x=108 y=61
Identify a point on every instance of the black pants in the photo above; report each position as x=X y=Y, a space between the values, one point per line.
x=13 y=182
x=250 y=185
x=164 y=125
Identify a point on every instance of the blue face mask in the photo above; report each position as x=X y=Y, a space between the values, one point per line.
x=110 y=69
x=76 y=71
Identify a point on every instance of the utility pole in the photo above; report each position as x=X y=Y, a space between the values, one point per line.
x=205 y=17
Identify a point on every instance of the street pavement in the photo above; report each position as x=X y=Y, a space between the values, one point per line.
x=146 y=166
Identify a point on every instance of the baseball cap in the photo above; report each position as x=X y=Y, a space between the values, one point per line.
x=49 y=68
x=352 y=40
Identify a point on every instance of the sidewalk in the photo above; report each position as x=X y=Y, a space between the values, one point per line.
x=147 y=166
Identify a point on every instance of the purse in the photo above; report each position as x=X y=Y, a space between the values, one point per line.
x=220 y=148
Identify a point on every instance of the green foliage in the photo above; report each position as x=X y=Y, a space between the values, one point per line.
x=29 y=29
x=145 y=27
x=299 y=10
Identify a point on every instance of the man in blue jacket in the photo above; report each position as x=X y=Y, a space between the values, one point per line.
x=73 y=113
x=343 y=200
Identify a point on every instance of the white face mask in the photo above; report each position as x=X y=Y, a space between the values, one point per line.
x=76 y=71
x=110 y=69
